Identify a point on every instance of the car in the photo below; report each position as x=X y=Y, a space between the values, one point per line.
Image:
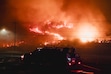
x=50 y=59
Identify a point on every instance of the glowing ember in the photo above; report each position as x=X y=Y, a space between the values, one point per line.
x=46 y=43
x=18 y=43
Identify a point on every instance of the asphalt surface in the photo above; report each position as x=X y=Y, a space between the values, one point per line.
x=13 y=65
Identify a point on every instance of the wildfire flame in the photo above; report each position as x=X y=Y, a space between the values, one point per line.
x=56 y=35
x=62 y=19
x=87 y=33
x=36 y=30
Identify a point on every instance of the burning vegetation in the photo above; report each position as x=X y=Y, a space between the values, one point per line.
x=51 y=21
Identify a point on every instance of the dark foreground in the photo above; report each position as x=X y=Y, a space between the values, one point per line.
x=19 y=68
x=13 y=65
x=9 y=64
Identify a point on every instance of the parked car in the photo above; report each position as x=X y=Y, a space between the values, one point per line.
x=50 y=59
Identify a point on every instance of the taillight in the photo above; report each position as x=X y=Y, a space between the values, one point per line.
x=73 y=61
x=22 y=57
x=69 y=64
x=79 y=62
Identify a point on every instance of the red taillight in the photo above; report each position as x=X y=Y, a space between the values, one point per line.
x=79 y=62
x=73 y=61
x=70 y=64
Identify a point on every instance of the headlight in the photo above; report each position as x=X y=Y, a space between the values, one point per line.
x=22 y=57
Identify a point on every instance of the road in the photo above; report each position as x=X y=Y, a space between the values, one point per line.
x=18 y=68
x=85 y=69
x=13 y=65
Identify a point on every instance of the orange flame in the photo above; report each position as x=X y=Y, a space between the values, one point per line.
x=87 y=33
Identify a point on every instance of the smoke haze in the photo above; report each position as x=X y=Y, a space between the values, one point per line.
x=62 y=18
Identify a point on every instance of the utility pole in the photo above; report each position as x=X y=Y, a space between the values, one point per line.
x=14 y=34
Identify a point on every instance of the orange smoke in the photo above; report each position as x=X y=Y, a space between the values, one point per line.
x=62 y=19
